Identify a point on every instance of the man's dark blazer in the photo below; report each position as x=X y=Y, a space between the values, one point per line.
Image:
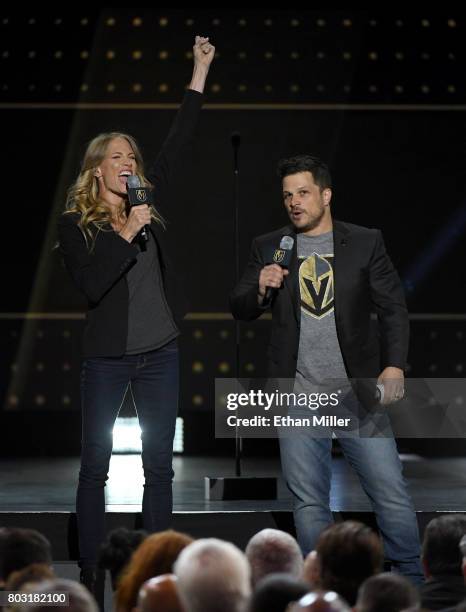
x=365 y=281
x=100 y=272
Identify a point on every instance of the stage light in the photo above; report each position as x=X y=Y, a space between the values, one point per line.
x=198 y=367
x=127 y=436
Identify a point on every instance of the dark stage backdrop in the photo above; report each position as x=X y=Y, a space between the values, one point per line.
x=399 y=171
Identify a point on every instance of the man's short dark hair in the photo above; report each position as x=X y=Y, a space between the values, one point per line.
x=117 y=549
x=21 y=547
x=306 y=163
x=441 y=545
x=276 y=591
x=388 y=592
x=348 y=553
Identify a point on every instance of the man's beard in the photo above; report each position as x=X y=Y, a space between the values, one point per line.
x=312 y=224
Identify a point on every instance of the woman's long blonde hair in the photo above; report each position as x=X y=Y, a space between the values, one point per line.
x=83 y=195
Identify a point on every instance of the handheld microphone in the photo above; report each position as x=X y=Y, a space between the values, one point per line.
x=138 y=195
x=379 y=392
x=282 y=257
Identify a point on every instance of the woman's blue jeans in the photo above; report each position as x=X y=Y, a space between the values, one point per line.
x=154 y=378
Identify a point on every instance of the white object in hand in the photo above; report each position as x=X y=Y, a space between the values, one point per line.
x=379 y=394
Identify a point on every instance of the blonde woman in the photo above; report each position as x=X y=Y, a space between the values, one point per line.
x=133 y=316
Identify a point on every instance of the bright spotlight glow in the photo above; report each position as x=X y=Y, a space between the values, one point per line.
x=127 y=436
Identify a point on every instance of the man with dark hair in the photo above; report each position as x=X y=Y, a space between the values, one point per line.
x=20 y=548
x=387 y=592
x=117 y=549
x=442 y=561
x=347 y=554
x=322 y=332
x=275 y=592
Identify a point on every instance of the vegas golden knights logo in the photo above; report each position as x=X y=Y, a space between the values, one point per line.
x=141 y=195
x=316 y=285
x=278 y=256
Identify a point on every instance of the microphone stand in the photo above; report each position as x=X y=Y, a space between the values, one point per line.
x=235 y=141
x=238 y=487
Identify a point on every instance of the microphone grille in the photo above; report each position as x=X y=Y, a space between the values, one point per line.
x=134 y=181
x=287 y=243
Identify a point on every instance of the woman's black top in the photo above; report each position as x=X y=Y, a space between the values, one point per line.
x=135 y=299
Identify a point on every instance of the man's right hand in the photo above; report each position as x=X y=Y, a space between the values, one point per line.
x=270 y=276
x=138 y=217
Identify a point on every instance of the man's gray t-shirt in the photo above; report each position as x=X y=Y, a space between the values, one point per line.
x=319 y=355
x=150 y=321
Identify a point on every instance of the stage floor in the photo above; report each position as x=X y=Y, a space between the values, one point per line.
x=48 y=485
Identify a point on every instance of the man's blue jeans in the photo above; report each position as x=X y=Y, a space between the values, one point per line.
x=306 y=464
x=154 y=378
